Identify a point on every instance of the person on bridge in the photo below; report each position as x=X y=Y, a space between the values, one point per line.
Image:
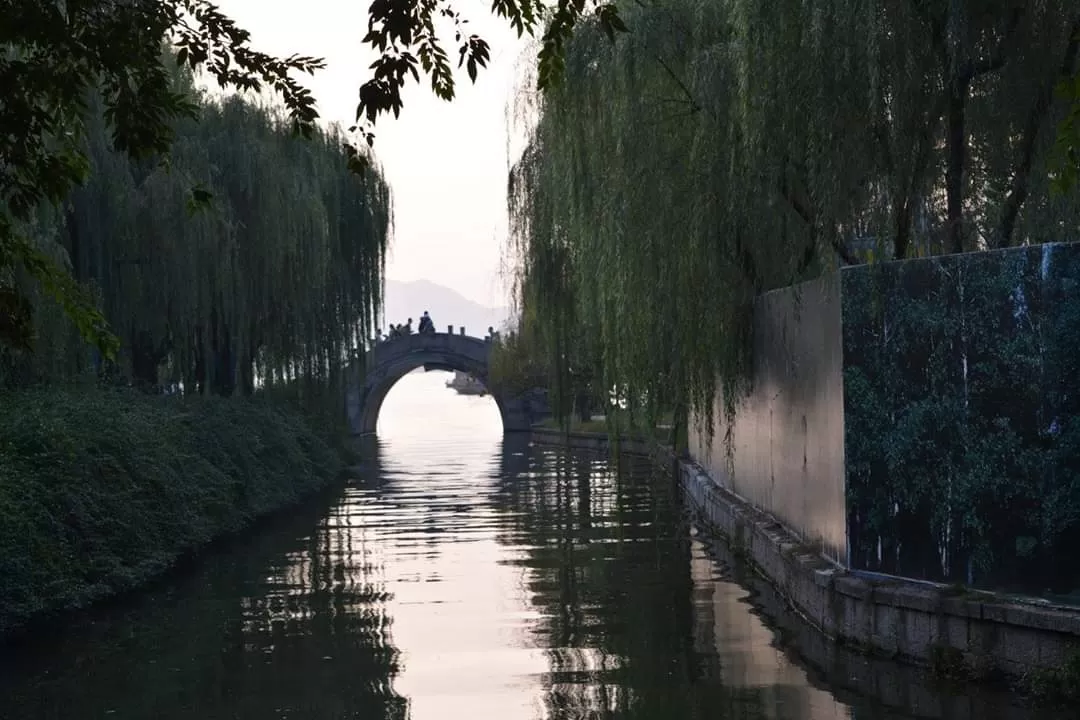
x=426 y=325
x=407 y=328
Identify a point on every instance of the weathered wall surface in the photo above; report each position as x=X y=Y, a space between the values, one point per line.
x=787 y=437
x=920 y=418
x=962 y=406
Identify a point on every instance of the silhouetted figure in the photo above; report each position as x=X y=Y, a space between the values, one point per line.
x=407 y=330
x=426 y=325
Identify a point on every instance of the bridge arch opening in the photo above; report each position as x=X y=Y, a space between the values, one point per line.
x=392 y=360
x=422 y=405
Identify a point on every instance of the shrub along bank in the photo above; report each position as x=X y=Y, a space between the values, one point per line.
x=102 y=489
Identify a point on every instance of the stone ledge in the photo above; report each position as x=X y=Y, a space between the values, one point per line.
x=908 y=620
x=591 y=441
x=853 y=676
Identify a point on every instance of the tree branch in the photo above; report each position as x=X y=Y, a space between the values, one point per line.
x=682 y=86
x=801 y=206
x=996 y=60
x=1018 y=187
x=843 y=251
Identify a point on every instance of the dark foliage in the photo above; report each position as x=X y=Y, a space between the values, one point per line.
x=962 y=414
x=101 y=489
x=55 y=54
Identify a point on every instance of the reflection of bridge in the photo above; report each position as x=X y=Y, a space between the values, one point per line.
x=392 y=359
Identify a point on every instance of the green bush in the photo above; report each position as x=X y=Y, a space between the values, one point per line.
x=101 y=489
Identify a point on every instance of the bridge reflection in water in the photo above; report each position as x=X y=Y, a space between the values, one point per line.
x=460 y=575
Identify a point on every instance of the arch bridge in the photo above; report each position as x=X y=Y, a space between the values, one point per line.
x=391 y=359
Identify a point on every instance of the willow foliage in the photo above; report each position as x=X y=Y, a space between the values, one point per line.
x=721 y=149
x=279 y=279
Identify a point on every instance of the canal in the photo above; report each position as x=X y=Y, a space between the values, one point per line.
x=459 y=576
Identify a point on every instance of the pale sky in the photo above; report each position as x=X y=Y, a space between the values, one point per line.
x=446 y=162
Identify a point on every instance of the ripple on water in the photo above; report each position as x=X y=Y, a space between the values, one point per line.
x=459 y=576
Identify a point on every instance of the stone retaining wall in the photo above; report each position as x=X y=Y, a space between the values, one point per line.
x=966 y=632
x=852 y=675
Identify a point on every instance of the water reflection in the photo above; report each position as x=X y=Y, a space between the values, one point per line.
x=639 y=620
x=285 y=624
x=459 y=576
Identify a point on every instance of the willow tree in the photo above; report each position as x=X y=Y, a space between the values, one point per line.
x=745 y=145
x=919 y=127
x=1067 y=148
x=606 y=209
x=53 y=53
x=279 y=279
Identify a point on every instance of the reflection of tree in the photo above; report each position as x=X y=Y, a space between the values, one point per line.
x=610 y=566
x=639 y=621
x=272 y=627
x=322 y=623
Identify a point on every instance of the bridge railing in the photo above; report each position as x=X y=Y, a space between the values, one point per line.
x=374 y=342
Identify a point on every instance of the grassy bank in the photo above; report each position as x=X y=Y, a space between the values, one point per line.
x=102 y=489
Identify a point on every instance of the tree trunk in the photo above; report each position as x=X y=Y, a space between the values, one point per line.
x=224 y=381
x=680 y=430
x=909 y=190
x=956 y=147
x=960 y=73
x=902 y=236
x=196 y=372
x=75 y=250
x=199 y=374
x=145 y=360
x=583 y=405
x=247 y=374
x=1018 y=188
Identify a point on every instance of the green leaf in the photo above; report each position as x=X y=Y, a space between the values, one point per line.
x=358 y=164
x=72 y=297
x=199 y=199
x=610 y=22
x=1065 y=158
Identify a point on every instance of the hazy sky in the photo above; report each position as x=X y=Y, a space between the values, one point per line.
x=446 y=162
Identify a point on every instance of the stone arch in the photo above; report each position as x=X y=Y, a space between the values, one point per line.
x=391 y=360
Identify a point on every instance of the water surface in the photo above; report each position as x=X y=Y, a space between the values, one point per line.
x=457 y=576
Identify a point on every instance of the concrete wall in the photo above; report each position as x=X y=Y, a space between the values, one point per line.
x=920 y=418
x=787 y=437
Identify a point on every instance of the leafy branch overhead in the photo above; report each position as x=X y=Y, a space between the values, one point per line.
x=405 y=34
x=1067 y=150
x=55 y=54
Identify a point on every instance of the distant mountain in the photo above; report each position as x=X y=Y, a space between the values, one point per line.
x=406 y=300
